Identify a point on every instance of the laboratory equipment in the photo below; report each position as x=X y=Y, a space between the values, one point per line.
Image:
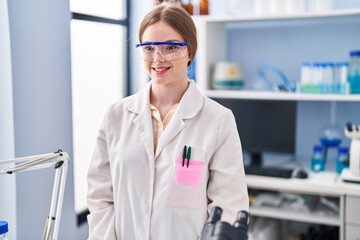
x=188 y=6
x=318 y=159
x=354 y=72
x=58 y=160
x=228 y=75
x=324 y=77
x=204 y=7
x=3 y=230
x=353 y=173
x=218 y=230
x=342 y=160
x=330 y=137
x=276 y=79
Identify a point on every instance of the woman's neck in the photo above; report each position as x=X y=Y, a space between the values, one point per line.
x=164 y=97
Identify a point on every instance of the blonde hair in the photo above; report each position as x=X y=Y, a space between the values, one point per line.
x=176 y=17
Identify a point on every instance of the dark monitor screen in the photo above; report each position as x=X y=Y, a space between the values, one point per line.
x=264 y=126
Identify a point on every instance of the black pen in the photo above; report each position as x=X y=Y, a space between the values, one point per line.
x=184 y=156
x=188 y=156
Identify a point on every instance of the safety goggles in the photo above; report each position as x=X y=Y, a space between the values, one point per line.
x=169 y=51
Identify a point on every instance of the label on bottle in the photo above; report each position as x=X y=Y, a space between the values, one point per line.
x=317 y=164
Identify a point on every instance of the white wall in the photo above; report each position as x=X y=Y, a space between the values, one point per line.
x=41 y=82
x=139 y=77
x=7 y=183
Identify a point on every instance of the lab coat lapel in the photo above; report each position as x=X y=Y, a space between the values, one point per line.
x=142 y=121
x=190 y=104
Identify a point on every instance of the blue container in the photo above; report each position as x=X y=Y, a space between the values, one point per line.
x=354 y=72
x=318 y=159
x=342 y=160
x=3 y=230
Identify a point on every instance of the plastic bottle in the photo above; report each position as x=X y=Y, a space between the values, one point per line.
x=328 y=76
x=342 y=160
x=354 y=72
x=317 y=77
x=306 y=77
x=3 y=230
x=317 y=159
x=340 y=77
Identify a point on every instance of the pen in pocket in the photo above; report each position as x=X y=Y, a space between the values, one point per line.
x=186 y=155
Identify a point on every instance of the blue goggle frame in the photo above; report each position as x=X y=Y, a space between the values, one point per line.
x=162 y=43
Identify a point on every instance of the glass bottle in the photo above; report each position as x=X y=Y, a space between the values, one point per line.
x=3 y=230
x=342 y=160
x=188 y=6
x=317 y=159
x=204 y=7
x=354 y=72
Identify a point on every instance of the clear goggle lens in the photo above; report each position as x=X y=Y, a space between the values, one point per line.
x=168 y=51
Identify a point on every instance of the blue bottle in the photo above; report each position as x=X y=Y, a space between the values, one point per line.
x=354 y=72
x=318 y=159
x=342 y=160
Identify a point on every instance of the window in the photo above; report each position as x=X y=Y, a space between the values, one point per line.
x=99 y=78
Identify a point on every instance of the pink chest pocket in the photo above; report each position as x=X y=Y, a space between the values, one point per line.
x=189 y=175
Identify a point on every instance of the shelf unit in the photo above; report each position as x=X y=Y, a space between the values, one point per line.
x=286 y=96
x=347 y=194
x=212 y=38
x=295 y=216
x=212 y=48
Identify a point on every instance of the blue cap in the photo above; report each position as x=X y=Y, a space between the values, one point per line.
x=3 y=227
x=340 y=64
x=343 y=150
x=318 y=148
x=355 y=53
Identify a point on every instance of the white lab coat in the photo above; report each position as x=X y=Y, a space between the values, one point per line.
x=134 y=194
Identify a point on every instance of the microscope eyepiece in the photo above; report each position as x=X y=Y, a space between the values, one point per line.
x=215 y=215
x=242 y=219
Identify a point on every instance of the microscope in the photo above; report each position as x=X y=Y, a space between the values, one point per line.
x=353 y=173
x=217 y=230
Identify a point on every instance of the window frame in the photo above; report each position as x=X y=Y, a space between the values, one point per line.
x=82 y=217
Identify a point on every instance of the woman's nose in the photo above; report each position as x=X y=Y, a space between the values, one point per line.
x=158 y=57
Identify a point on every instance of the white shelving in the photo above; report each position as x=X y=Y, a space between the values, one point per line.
x=332 y=188
x=287 y=96
x=308 y=15
x=212 y=48
x=295 y=216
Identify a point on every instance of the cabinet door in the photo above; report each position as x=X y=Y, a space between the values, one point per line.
x=352 y=232
x=352 y=216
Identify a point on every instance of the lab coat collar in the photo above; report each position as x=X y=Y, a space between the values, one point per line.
x=190 y=104
x=139 y=104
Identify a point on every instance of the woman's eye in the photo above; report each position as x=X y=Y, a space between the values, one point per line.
x=148 y=49
x=171 y=48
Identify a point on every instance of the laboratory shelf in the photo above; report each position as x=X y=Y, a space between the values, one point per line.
x=281 y=96
x=284 y=214
x=305 y=15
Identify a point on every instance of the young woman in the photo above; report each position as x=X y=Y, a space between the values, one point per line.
x=166 y=155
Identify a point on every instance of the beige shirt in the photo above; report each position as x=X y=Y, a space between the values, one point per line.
x=158 y=124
